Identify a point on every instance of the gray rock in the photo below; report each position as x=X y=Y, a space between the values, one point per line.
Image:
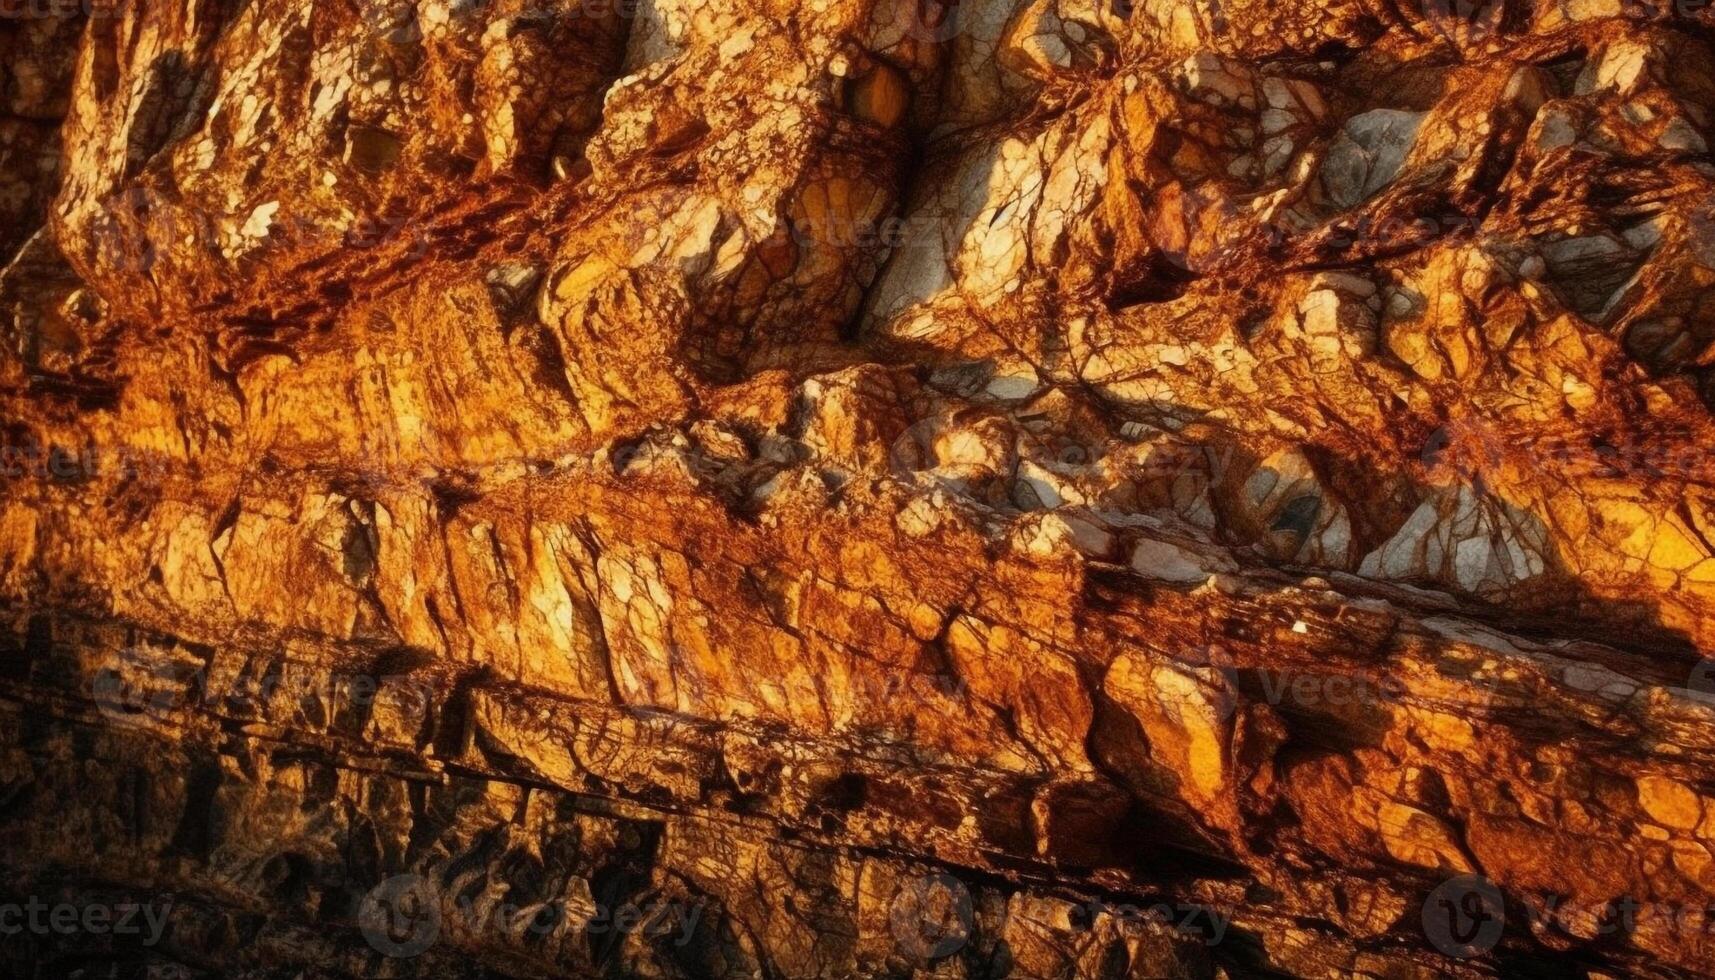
x=1367 y=155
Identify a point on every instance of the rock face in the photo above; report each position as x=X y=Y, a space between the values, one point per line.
x=857 y=488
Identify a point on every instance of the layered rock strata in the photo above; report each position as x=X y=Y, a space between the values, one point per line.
x=858 y=488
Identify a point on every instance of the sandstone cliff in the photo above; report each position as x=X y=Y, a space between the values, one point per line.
x=857 y=488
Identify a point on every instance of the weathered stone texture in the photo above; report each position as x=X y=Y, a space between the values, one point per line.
x=867 y=488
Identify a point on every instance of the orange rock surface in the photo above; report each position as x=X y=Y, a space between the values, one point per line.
x=858 y=488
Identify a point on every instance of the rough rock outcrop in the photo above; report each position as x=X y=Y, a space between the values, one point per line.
x=857 y=488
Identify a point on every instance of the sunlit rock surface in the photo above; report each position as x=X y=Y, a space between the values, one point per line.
x=857 y=488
